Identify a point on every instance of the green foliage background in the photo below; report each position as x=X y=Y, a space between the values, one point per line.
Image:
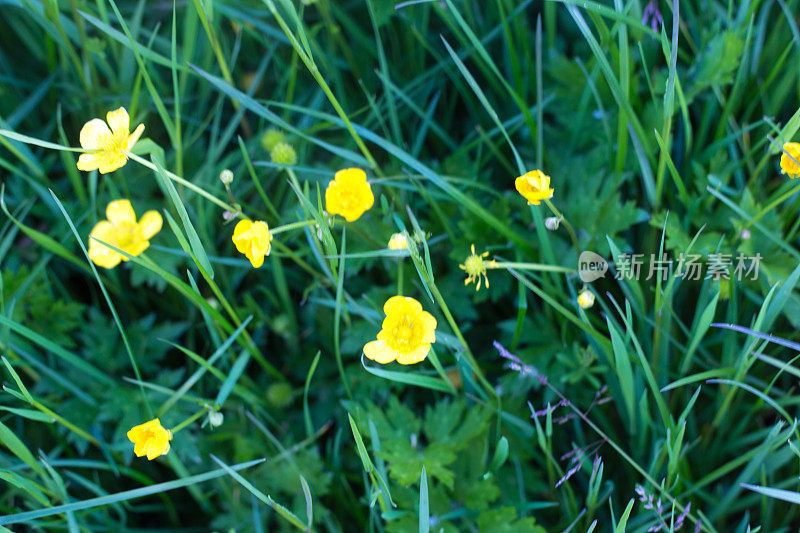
x=659 y=138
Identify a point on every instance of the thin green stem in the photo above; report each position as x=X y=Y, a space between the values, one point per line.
x=187 y=184
x=293 y=225
x=189 y=420
x=528 y=266
x=572 y=235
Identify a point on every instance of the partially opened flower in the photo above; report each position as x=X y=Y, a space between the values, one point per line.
x=790 y=160
x=534 y=186
x=108 y=146
x=348 y=194
x=122 y=231
x=586 y=299
x=398 y=241
x=150 y=439
x=406 y=335
x=253 y=240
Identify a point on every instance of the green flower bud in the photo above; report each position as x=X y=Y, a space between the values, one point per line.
x=283 y=154
x=270 y=138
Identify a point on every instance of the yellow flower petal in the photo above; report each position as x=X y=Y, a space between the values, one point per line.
x=88 y=162
x=111 y=161
x=378 y=351
x=94 y=135
x=150 y=224
x=119 y=121
x=135 y=136
x=416 y=356
x=401 y=304
x=120 y=212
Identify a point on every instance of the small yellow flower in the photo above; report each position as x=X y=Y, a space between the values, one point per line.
x=348 y=194
x=475 y=266
x=150 y=439
x=406 y=333
x=122 y=231
x=534 y=186
x=253 y=240
x=108 y=146
x=789 y=165
x=398 y=241
x=586 y=299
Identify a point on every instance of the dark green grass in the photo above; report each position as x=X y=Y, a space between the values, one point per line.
x=660 y=142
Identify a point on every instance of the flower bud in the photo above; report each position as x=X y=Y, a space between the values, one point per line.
x=586 y=299
x=215 y=419
x=283 y=154
x=398 y=241
x=226 y=177
x=270 y=138
x=552 y=223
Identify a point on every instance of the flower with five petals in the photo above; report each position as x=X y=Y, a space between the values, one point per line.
x=108 y=146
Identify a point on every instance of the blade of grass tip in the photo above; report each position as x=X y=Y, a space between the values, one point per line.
x=701 y=327
x=198 y=251
x=306 y=411
x=623 y=520
x=125 y=495
x=233 y=377
x=309 y=501
x=110 y=303
x=778 y=494
x=424 y=513
x=275 y=506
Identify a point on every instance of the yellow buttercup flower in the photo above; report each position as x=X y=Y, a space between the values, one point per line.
x=406 y=335
x=586 y=299
x=398 y=241
x=348 y=194
x=253 y=240
x=108 y=145
x=789 y=165
x=534 y=186
x=150 y=439
x=475 y=266
x=122 y=231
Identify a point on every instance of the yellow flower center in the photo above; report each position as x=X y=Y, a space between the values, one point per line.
x=475 y=266
x=126 y=235
x=116 y=142
x=405 y=334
